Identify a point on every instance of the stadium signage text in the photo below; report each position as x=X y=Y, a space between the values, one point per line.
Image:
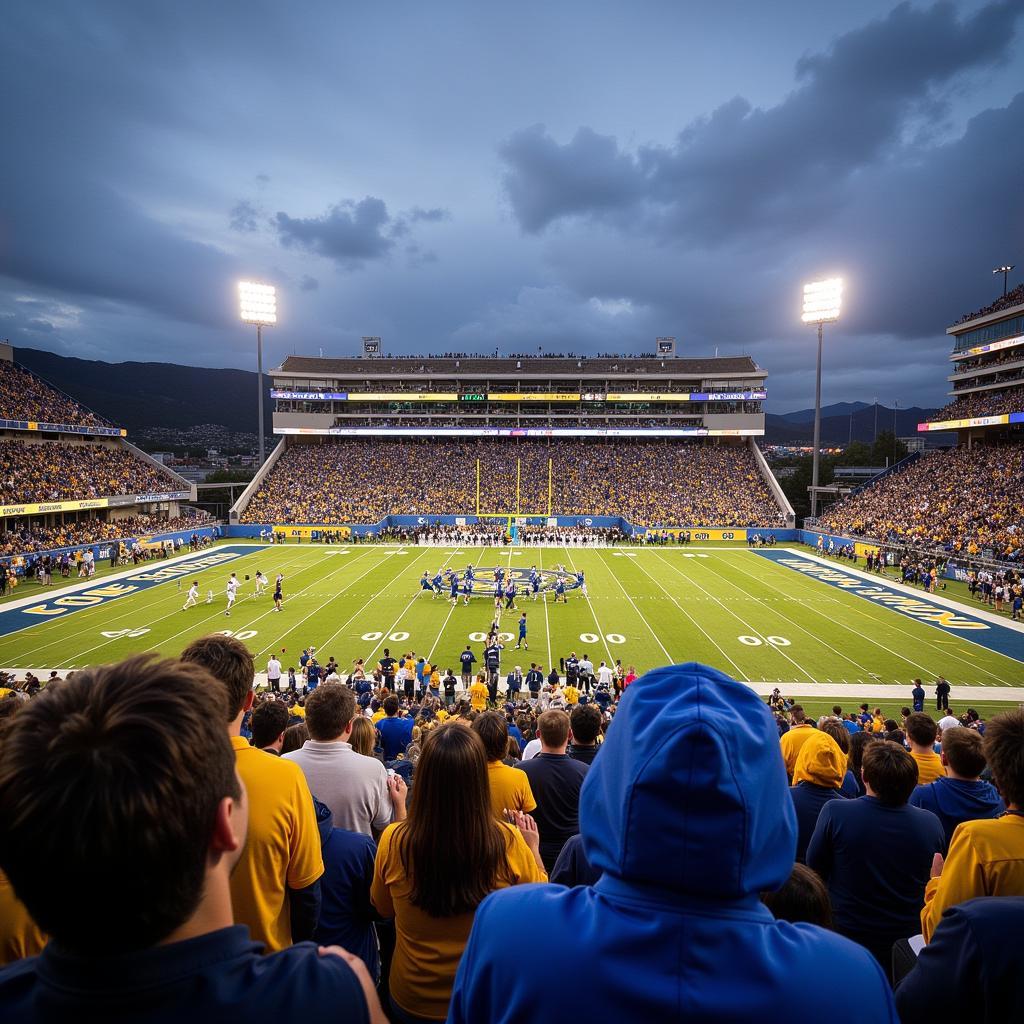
x=62 y=428
x=521 y=431
x=977 y=421
x=52 y=506
x=994 y=346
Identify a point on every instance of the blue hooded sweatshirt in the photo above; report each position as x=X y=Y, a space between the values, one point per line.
x=953 y=801
x=687 y=816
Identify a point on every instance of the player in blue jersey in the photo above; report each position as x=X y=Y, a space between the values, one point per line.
x=499 y=592
x=499 y=575
x=582 y=582
x=469 y=573
x=522 y=633
x=453 y=585
x=425 y=583
x=467 y=589
x=559 y=590
x=534 y=582
x=436 y=582
x=510 y=596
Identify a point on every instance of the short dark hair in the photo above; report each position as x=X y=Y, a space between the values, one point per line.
x=837 y=711
x=921 y=728
x=890 y=771
x=963 y=750
x=803 y=898
x=269 y=720
x=1004 y=751
x=553 y=726
x=492 y=728
x=585 y=721
x=797 y=712
x=329 y=709
x=130 y=763
x=391 y=706
x=294 y=737
x=834 y=728
x=229 y=662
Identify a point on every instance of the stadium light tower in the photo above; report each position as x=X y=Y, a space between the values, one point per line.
x=822 y=302
x=1004 y=270
x=257 y=304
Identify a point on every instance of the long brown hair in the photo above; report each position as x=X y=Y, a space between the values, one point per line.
x=452 y=849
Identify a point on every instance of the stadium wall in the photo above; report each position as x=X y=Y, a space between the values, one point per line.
x=773 y=485
x=183 y=484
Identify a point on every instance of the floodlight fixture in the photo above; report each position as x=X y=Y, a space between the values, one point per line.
x=823 y=301
x=257 y=304
x=1005 y=271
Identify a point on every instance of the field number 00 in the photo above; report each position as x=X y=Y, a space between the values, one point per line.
x=755 y=641
x=397 y=637
x=612 y=638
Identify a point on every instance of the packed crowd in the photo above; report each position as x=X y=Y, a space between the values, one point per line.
x=1014 y=297
x=981 y=403
x=23 y=396
x=23 y=540
x=649 y=483
x=55 y=471
x=411 y=840
x=965 y=500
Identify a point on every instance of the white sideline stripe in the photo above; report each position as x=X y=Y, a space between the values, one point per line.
x=761 y=636
x=894 y=622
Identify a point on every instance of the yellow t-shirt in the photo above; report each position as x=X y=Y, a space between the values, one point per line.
x=929 y=767
x=510 y=788
x=378 y=715
x=478 y=696
x=19 y=934
x=428 y=949
x=283 y=845
x=986 y=858
x=442 y=715
x=572 y=695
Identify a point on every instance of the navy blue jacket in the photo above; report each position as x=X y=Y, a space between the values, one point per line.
x=686 y=815
x=954 y=801
x=572 y=867
x=219 y=976
x=876 y=860
x=972 y=968
x=808 y=800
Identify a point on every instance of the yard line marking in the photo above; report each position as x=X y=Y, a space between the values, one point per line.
x=547 y=621
x=625 y=594
x=714 y=643
x=608 y=650
x=761 y=636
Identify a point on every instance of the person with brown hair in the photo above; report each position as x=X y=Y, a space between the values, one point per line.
x=434 y=869
x=921 y=732
x=509 y=787
x=803 y=898
x=961 y=795
x=793 y=739
x=555 y=780
x=363 y=736
x=274 y=886
x=986 y=857
x=133 y=760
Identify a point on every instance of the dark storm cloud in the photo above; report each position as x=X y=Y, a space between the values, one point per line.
x=308 y=283
x=353 y=233
x=744 y=168
x=244 y=216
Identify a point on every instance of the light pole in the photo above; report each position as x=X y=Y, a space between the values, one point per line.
x=1004 y=270
x=257 y=304
x=822 y=301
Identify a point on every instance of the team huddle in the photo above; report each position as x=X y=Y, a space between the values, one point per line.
x=231 y=592
x=504 y=587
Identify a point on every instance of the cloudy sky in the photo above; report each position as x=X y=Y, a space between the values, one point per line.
x=573 y=175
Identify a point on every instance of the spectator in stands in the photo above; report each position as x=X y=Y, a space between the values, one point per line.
x=24 y=396
x=686 y=816
x=346 y=914
x=817 y=778
x=802 y=898
x=363 y=737
x=509 y=787
x=961 y=794
x=395 y=731
x=584 y=728
x=433 y=870
x=555 y=780
x=800 y=730
x=572 y=867
x=835 y=728
x=986 y=856
x=875 y=853
x=275 y=884
x=269 y=722
x=132 y=760
x=357 y=789
x=922 y=733
x=971 y=970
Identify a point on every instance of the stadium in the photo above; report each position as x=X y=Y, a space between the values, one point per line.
x=505 y=645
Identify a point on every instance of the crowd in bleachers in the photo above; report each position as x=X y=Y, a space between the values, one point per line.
x=649 y=483
x=705 y=854
x=981 y=403
x=23 y=396
x=1014 y=297
x=965 y=500
x=57 y=471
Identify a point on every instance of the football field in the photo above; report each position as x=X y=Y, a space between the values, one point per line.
x=778 y=616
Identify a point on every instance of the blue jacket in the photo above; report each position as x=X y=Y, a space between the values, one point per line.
x=687 y=816
x=953 y=801
x=971 y=969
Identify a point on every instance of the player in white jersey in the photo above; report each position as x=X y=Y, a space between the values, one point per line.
x=193 y=596
x=232 y=592
x=261 y=584
x=279 y=585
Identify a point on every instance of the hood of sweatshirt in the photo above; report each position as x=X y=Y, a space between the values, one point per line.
x=690 y=792
x=821 y=761
x=961 y=798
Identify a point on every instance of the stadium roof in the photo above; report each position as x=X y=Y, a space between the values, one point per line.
x=521 y=365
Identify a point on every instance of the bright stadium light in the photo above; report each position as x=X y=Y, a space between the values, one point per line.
x=1005 y=271
x=257 y=304
x=822 y=303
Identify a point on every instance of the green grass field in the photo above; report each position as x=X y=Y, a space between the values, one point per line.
x=725 y=606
